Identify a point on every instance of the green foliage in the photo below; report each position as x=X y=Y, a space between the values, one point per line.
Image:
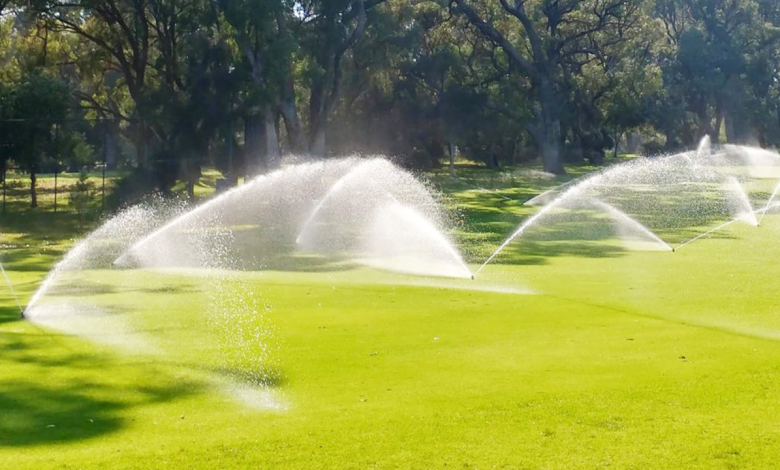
x=196 y=83
x=82 y=193
x=31 y=109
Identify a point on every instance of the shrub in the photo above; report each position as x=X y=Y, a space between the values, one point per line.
x=81 y=194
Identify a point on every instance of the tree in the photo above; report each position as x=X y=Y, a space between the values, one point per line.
x=33 y=108
x=119 y=34
x=257 y=28
x=336 y=26
x=719 y=62
x=553 y=32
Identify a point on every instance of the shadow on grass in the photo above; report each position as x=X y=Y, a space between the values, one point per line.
x=38 y=414
x=34 y=241
x=30 y=256
x=10 y=314
x=88 y=288
x=41 y=225
x=676 y=216
x=58 y=394
x=182 y=288
x=538 y=253
x=302 y=262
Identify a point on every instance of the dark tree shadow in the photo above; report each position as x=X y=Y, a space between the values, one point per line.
x=46 y=409
x=39 y=414
x=10 y=314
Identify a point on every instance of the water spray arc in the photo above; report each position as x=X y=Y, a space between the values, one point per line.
x=769 y=203
x=263 y=212
x=705 y=146
x=572 y=191
x=384 y=219
x=547 y=195
x=380 y=216
x=745 y=211
x=400 y=238
x=189 y=216
x=696 y=180
x=13 y=291
x=524 y=226
x=622 y=217
x=702 y=235
x=333 y=189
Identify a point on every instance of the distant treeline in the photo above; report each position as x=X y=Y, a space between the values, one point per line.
x=167 y=86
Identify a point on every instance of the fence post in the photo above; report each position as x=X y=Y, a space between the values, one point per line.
x=105 y=155
x=5 y=176
x=56 y=170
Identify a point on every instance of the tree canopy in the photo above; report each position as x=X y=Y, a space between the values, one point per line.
x=168 y=86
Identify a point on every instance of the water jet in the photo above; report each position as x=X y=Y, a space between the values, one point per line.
x=13 y=291
x=651 y=199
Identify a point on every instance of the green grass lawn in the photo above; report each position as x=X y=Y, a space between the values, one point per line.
x=18 y=190
x=565 y=359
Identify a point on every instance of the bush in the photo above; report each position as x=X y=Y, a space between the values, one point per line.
x=81 y=194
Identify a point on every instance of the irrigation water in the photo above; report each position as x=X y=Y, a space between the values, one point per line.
x=133 y=271
x=124 y=284
x=11 y=289
x=315 y=214
x=653 y=203
x=65 y=299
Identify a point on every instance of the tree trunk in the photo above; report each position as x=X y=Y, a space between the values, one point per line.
x=715 y=138
x=669 y=134
x=548 y=145
x=317 y=119
x=688 y=137
x=4 y=176
x=262 y=142
x=291 y=120
x=252 y=146
x=549 y=139
x=551 y=155
x=576 y=151
x=33 y=191
x=273 y=154
x=141 y=147
x=293 y=126
x=317 y=144
x=778 y=116
x=111 y=145
x=451 y=151
x=705 y=124
x=287 y=108
x=633 y=142
x=731 y=131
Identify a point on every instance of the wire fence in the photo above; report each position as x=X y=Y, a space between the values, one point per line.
x=53 y=190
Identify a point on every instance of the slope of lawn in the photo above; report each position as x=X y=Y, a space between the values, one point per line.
x=589 y=358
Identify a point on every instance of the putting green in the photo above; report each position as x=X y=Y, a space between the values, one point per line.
x=573 y=356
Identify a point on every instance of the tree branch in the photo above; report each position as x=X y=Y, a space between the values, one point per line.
x=492 y=33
